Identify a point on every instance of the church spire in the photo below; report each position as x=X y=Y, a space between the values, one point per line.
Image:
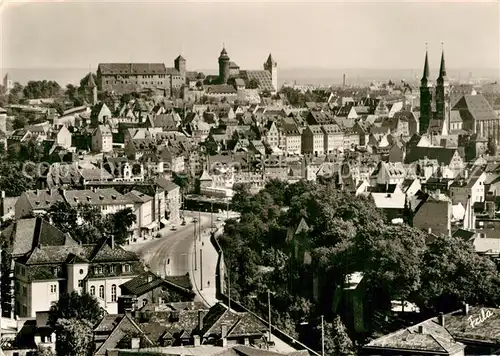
x=442 y=67
x=425 y=75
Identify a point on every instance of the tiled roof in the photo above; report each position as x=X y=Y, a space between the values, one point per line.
x=441 y=154
x=427 y=336
x=25 y=234
x=263 y=77
x=220 y=89
x=477 y=106
x=166 y=184
x=332 y=129
x=138 y=197
x=132 y=68
x=316 y=129
x=107 y=196
x=459 y=325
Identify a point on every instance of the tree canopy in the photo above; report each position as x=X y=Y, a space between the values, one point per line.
x=291 y=234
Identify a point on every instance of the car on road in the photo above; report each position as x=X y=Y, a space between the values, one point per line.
x=195 y=220
x=183 y=222
x=173 y=228
x=219 y=219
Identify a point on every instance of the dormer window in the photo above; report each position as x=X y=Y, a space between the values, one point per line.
x=98 y=270
x=126 y=268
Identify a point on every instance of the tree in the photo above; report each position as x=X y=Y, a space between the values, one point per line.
x=119 y=224
x=16 y=94
x=6 y=280
x=75 y=306
x=41 y=89
x=14 y=179
x=453 y=273
x=393 y=259
x=337 y=342
x=44 y=351
x=63 y=216
x=492 y=146
x=74 y=337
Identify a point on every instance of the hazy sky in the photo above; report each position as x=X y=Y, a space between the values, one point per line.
x=369 y=34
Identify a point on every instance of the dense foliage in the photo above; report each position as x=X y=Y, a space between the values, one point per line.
x=86 y=223
x=73 y=317
x=306 y=269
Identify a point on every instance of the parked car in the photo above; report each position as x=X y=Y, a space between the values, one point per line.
x=173 y=228
x=195 y=220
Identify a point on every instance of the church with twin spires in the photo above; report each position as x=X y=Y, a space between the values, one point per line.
x=435 y=102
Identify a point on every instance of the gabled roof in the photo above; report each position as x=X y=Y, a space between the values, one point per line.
x=477 y=106
x=132 y=68
x=441 y=154
x=25 y=234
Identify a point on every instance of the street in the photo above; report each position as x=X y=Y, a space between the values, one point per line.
x=173 y=254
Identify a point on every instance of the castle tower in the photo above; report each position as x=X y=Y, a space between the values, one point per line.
x=180 y=65
x=443 y=93
x=272 y=67
x=93 y=87
x=425 y=98
x=223 y=66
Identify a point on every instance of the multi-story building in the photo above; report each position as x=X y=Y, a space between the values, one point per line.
x=145 y=222
x=469 y=185
x=313 y=141
x=102 y=139
x=49 y=271
x=272 y=135
x=133 y=77
x=38 y=202
x=334 y=137
x=292 y=139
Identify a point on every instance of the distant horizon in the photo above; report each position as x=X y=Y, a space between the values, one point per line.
x=369 y=35
x=302 y=75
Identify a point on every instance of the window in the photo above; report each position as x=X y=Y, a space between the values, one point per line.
x=126 y=268
x=98 y=270
x=144 y=302
x=25 y=291
x=92 y=290
x=113 y=293
x=81 y=271
x=80 y=283
x=101 y=291
x=53 y=288
x=112 y=269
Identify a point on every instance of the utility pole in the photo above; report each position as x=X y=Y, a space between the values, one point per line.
x=199 y=222
x=269 y=310
x=1 y=312
x=229 y=288
x=322 y=336
x=211 y=215
x=194 y=246
x=201 y=269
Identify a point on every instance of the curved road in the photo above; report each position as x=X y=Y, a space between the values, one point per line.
x=173 y=254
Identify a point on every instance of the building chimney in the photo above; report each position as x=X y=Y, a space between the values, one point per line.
x=421 y=329
x=197 y=340
x=429 y=230
x=466 y=309
x=112 y=242
x=201 y=314
x=223 y=335
x=135 y=343
x=441 y=319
